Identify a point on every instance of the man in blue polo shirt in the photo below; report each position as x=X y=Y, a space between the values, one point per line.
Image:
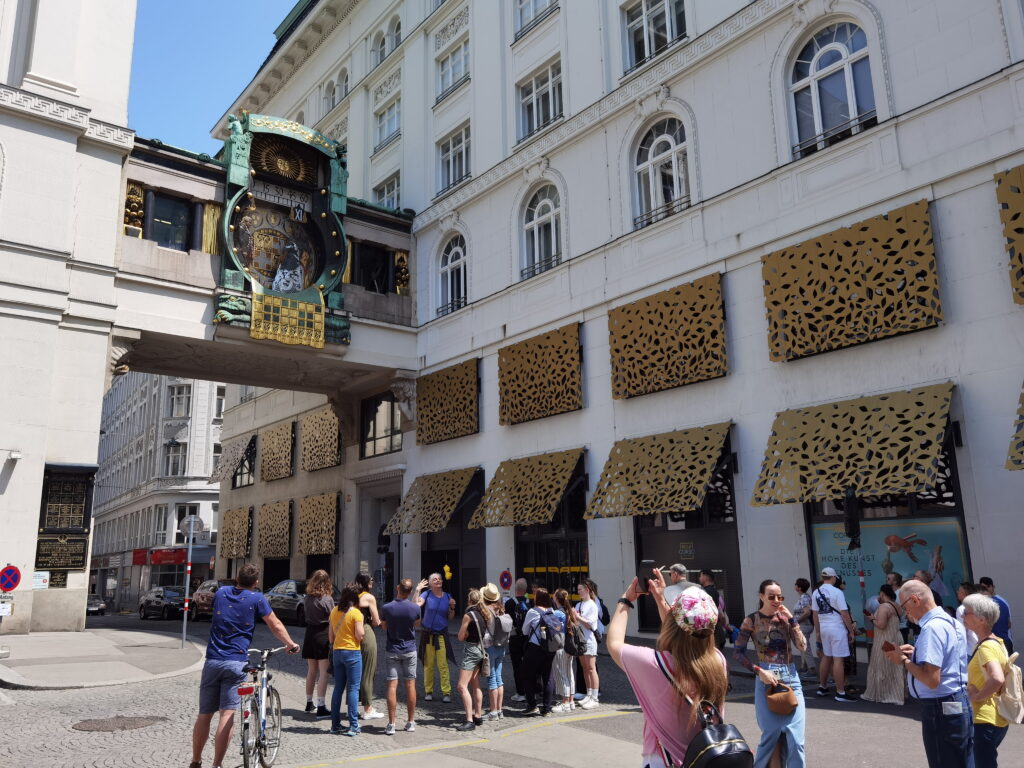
x=234 y=620
x=937 y=676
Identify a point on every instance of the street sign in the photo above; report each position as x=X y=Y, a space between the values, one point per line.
x=40 y=580
x=190 y=525
x=505 y=580
x=10 y=578
x=6 y=609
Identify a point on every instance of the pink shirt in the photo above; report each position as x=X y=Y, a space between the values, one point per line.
x=666 y=718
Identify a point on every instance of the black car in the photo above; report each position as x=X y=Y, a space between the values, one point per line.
x=163 y=602
x=95 y=604
x=286 y=600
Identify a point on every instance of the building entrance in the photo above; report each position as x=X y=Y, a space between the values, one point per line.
x=554 y=555
x=461 y=548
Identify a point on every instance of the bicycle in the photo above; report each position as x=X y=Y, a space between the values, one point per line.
x=260 y=711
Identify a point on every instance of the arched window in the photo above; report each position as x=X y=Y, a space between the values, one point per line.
x=394 y=33
x=453 y=276
x=379 y=49
x=542 y=230
x=661 y=176
x=342 y=84
x=831 y=87
x=329 y=97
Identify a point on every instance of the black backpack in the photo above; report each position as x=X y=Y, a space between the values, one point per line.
x=717 y=744
x=518 y=614
x=575 y=639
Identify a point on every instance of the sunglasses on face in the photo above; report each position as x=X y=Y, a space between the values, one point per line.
x=774 y=598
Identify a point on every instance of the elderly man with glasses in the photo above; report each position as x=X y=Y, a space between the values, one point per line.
x=937 y=675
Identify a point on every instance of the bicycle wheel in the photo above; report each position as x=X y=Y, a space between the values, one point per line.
x=271 y=740
x=250 y=730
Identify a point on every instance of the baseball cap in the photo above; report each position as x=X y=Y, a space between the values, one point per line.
x=829 y=571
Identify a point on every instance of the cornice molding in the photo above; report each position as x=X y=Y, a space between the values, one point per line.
x=68 y=115
x=624 y=97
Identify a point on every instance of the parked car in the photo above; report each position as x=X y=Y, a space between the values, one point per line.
x=95 y=604
x=286 y=600
x=202 y=600
x=163 y=602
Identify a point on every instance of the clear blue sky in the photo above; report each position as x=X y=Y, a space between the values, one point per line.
x=191 y=59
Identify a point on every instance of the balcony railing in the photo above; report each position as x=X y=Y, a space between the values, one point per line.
x=667 y=47
x=835 y=134
x=453 y=184
x=451 y=306
x=534 y=22
x=543 y=265
x=387 y=140
x=537 y=129
x=661 y=212
x=451 y=89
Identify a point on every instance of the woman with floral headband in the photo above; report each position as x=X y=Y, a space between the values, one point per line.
x=685 y=651
x=773 y=628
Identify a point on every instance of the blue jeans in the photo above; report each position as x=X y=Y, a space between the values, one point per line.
x=496 y=655
x=987 y=738
x=348 y=674
x=948 y=739
x=787 y=728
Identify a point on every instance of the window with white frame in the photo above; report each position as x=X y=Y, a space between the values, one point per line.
x=453 y=276
x=394 y=33
x=540 y=100
x=175 y=458
x=300 y=118
x=378 y=50
x=453 y=69
x=651 y=27
x=453 y=154
x=329 y=96
x=179 y=400
x=218 y=406
x=388 y=192
x=389 y=122
x=661 y=172
x=342 y=84
x=528 y=11
x=831 y=88
x=542 y=232
x=217 y=451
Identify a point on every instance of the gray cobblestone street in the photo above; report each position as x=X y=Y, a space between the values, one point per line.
x=39 y=728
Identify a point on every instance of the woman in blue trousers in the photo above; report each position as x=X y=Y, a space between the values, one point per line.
x=345 y=632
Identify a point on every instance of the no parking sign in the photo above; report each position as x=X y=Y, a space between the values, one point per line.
x=505 y=580
x=10 y=578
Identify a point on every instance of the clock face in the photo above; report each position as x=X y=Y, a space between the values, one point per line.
x=281 y=195
x=278 y=250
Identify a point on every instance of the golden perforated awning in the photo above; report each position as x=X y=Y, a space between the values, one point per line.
x=235 y=532
x=668 y=472
x=1015 y=458
x=526 y=491
x=430 y=502
x=231 y=454
x=274 y=529
x=888 y=443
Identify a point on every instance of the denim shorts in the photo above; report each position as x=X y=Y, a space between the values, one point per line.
x=400 y=665
x=218 y=688
x=472 y=657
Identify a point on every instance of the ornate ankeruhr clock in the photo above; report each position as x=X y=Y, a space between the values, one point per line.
x=284 y=203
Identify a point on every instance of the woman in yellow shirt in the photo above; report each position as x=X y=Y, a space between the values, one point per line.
x=985 y=678
x=345 y=633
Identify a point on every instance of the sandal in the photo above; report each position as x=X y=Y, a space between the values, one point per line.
x=195 y=764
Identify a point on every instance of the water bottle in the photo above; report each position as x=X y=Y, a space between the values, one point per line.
x=543 y=633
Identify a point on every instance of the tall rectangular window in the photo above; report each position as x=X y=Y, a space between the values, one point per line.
x=245 y=472
x=388 y=193
x=453 y=69
x=160 y=524
x=218 y=408
x=651 y=27
x=389 y=122
x=540 y=100
x=454 y=158
x=179 y=400
x=171 y=222
x=381 y=422
x=216 y=456
x=182 y=511
x=175 y=459
x=530 y=10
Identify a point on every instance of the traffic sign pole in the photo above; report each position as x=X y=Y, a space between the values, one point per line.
x=190 y=524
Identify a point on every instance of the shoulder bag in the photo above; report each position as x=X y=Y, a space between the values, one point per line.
x=717 y=744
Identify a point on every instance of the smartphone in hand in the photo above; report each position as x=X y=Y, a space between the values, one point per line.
x=644 y=572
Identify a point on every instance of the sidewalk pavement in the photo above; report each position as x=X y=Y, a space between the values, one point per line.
x=50 y=660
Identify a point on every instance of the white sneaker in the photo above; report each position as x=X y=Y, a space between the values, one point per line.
x=389 y=729
x=428 y=697
x=410 y=726
x=372 y=715
x=588 y=703
x=561 y=709
x=519 y=697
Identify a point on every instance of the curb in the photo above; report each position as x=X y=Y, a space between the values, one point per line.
x=13 y=680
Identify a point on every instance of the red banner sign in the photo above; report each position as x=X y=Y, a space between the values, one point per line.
x=168 y=557
x=139 y=556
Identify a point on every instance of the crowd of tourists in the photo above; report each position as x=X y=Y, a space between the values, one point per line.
x=957 y=663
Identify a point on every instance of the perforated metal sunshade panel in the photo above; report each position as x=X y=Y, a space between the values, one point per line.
x=447 y=403
x=430 y=501
x=526 y=491
x=1010 y=194
x=318 y=524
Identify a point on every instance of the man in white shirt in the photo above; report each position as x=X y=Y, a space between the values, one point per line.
x=835 y=629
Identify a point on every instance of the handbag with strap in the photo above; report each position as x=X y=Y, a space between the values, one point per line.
x=717 y=744
x=781 y=699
